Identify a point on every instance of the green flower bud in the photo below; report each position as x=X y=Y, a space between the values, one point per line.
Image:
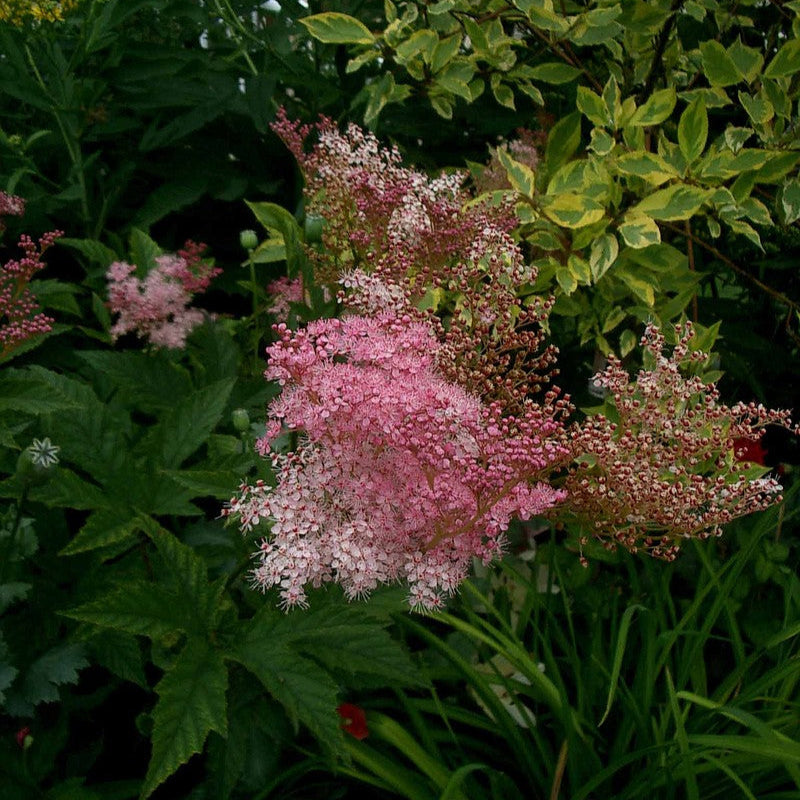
x=241 y=420
x=248 y=240
x=314 y=226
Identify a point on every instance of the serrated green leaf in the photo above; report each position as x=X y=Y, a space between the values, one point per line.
x=639 y=230
x=7 y=675
x=120 y=654
x=718 y=66
x=58 y=666
x=188 y=424
x=521 y=176
x=188 y=577
x=332 y=27
x=603 y=254
x=306 y=691
x=29 y=391
x=554 y=72
x=678 y=201
x=95 y=251
x=104 y=527
x=657 y=108
x=651 y=167
x=205 y=482
x=191 y=704
x=572 y=210
x=786 y=61
x=693 y=131
x=140 y=608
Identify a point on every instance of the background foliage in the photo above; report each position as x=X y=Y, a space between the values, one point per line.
x=664 y=183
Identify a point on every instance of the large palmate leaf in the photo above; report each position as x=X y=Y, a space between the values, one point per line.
x=191 y=703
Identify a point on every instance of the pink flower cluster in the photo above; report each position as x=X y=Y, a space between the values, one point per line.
x=401 y=475
x=669 y=466
x=10 y=206
x=19 y=315
x=157 y=307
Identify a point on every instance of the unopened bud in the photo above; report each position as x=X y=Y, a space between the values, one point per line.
x=241 y=420
x=248 y=239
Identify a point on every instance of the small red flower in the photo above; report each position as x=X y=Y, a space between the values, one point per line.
x=749 y=450
x=22 y=735
x=354 y=720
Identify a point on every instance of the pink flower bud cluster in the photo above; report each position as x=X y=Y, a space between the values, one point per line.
x=19 y=315
x=157 y=307
x=10 y=206
x=424 y=236
x=283 y=291
x=401 y=475
x=664 y=465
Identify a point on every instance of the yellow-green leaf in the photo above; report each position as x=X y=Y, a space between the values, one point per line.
x=639 y=230
x=579 y=267
x=572 y=210
x=335 y=28
x=421 y=42
x=748 y=60
x=603 y=254
x=566 y=280
x=679 y=201
x=786 y=61
x=693 y=130
x=790 y=201
x=563 y=141
x=758 y=109
x=521 y=177
x=445 y=51
x=718 y=66
x=657 y=108
x=593 y=107
x=554 y=72
x=648 y=166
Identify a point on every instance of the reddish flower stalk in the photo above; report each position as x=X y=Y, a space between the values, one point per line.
x=19 y=315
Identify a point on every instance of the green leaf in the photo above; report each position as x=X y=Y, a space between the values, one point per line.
x=572 y=210
x=306 y=691
x=455 y=78
x=790 y=201
x=120 y=654
x=777 y=166
x=521 y=177
x=188 y=578
x=144 y=251
x=639 y=230
x=718 y=66
x=95 y=251
x=593 y=107
x=186 y=427
x=603 y=254
x=656 y=109
x=421 y=42
x=445 y=51
x=563 y=140
x=566 y=280
x=651 y=167
x=746 y=230
x=380 y=94
x=693 y=130
x=502 y=92
x=140 y=608
x=735 y=138
x=10 y=593
x=191 y=703
x=554 y=72
x=678 y=201
x=748 y=60
x=335 y=28
x=271 y=215
x=58 y=666
x=541 y=14
x=636 y=283
x=758 y=109
x=786 y=61
x=104 y=527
